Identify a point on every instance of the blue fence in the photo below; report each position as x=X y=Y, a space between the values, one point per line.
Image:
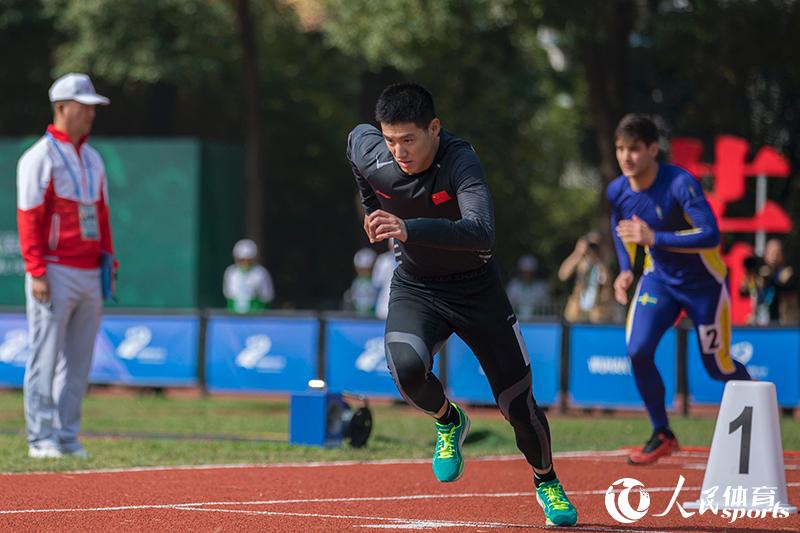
x=467 y=382
x=355 y=359
x=600 y=370
x=264 y=354
x=146 y=350
x=769 y=355
x=577 y=365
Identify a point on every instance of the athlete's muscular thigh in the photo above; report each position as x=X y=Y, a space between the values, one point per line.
x=414 y=322
x=493 y=334
x=651 y=313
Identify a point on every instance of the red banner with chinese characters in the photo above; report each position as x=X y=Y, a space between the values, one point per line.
x=729 y=172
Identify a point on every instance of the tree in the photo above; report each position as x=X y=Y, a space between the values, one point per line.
x=25 y=71
x=710 y=68
x=494 y=86
x=254 y=177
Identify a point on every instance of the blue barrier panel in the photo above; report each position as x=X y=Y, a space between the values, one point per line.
x=265 y=354
x=769 y=355
x=355 y=360
x=146 y=350
x=13 y=349
x=600 y=370
x=132 y=350
x=466 y=380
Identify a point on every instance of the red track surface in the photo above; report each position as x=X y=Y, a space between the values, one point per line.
x=493 y=494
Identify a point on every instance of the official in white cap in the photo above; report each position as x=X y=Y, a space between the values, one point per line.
x=526 y=293
x=65 y=238
x=78 y=88
x=362 y=294
x=246 y=284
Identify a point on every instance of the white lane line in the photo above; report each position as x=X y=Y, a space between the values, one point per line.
x=435 y=523
x=319 y=500
x=416 y=523
x=334 y=500
x=272 y=502
x=316 y=464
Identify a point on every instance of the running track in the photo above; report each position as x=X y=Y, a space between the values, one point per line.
x=495 y=493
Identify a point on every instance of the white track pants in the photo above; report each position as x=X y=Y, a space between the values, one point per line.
x=61 y=339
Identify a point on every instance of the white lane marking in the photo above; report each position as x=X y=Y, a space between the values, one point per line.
x=315 y=464
x=402 y=523
x=327 y=500
x=323 y=500
x=415 y=523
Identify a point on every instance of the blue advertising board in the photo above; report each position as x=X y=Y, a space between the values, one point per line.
x=141 y=350
x=264 y=354
x=13 y=349
x=146 y=350
x=769 y=355
x=600 y=369
x=466 y=380
x=355 y=359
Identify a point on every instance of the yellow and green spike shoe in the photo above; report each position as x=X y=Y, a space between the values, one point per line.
x=558 y=510
x=448 y=463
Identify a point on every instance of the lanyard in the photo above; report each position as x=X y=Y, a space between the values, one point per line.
x=72 y=174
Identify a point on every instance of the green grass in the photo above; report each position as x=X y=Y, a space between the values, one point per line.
x=399 y=432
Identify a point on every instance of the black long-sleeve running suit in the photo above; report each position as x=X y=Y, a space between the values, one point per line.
x=447 y=282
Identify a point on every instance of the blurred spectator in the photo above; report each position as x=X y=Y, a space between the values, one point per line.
x=771 y=286
x=591 y=298
x=526 y=293
x=382 y=274
x=361 y=295
x=247 y=285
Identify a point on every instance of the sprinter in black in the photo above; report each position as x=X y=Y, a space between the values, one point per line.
x=425 y=188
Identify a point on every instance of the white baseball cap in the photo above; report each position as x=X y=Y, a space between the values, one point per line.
x=77 y=87
x=527 y=263
x=364 y=258
x=245 y=249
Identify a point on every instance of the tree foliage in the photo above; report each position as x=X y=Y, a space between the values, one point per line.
x=179 y=41
x=495 y=87
x=704 y=67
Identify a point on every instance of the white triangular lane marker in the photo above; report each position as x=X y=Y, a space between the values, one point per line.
x=745 y=467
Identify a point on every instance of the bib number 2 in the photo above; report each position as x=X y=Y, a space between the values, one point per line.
x=709 y=338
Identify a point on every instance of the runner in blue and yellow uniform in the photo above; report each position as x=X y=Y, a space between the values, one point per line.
x=662 y=207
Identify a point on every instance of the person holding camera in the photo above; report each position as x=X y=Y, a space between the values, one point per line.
x=591 y=297
x=772 y=287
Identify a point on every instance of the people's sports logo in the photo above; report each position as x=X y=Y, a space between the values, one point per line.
x=619 y=505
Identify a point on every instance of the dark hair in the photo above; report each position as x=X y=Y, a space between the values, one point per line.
x=405 y=102
x=637 y=127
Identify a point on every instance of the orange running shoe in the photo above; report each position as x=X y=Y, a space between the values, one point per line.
x=661 y=444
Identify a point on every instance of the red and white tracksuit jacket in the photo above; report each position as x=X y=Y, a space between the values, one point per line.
x=48 y=204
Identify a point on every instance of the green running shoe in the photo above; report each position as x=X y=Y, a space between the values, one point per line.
x=558 y=510
x=448 y=463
